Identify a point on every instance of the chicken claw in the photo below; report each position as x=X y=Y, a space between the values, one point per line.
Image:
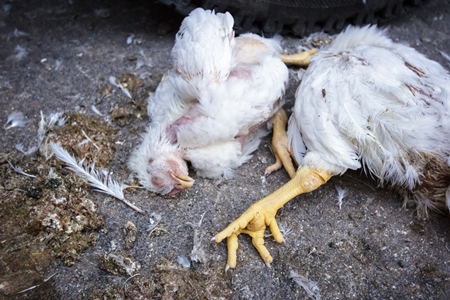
x=252 y=222
x=301 y=59
x=262 y=214
x=280 y=145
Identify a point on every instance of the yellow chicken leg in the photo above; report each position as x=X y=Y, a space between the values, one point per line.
x=280 y=145
x=301 y=59
x=280 y=138
x=262 y=214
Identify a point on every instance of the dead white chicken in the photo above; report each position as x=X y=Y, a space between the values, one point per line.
x=364 y=102
x=212 y=107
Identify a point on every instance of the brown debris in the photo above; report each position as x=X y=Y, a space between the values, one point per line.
x=126 y=114
x=53 y=214
x=130 y=231
x=119 y=264
x=177 y=282
x=86 y=137
x=130 y=82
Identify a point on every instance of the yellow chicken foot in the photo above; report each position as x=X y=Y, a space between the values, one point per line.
x=262 y=214
x=280 y=145
x=301 y=59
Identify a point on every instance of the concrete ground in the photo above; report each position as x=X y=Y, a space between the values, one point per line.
x=57 y=56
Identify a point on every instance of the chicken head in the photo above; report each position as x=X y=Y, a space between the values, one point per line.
x=166 y=171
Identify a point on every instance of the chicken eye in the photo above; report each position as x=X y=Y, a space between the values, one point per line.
x=157 y=181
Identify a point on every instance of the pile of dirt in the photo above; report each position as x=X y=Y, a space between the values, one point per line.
x=47 y=211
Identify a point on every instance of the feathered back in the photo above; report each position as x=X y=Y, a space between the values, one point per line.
x=246 y=100
x=354 y=36
x=203 y=45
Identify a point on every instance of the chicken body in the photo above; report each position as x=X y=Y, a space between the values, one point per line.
x=364 y=102
x=212 y=107
x=369 y=102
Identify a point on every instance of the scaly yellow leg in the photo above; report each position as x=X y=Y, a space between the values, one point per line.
x=262 y=214
x=280 y=145
x=301 y=59
x=280 y=139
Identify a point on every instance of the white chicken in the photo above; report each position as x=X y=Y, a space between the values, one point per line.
x=367 y=102
x=212 y=106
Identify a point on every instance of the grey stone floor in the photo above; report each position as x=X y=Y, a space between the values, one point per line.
x=371 y=248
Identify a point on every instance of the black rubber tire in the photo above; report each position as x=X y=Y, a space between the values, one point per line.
x=300 y=17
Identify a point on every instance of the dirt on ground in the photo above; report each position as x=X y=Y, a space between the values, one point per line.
x=80 y=73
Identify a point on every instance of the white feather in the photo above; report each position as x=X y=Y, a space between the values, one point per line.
x=95 y=110
x=43 y=127
x=154 y=220
x=309 y=286
x=143 y=60
x=15 y=119
x=42 y=130
x=20 y=170
x=184 y=261
x=198 y=253
x=19 y=33
x=445 y=55
x=285 y=230
x=341 y=193
x=20 y=147
x=100 y=182
x=130 y=39
x=53 y=119
x=112 y=80
x=20 y=53
x=58 y=64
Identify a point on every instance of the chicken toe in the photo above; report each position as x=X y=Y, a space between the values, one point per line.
x=280 y=146
x=301 y=59
x=262 y=214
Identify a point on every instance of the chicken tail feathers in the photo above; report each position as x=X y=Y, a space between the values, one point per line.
x=203 y=45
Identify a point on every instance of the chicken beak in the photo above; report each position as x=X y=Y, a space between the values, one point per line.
x=183 y=181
